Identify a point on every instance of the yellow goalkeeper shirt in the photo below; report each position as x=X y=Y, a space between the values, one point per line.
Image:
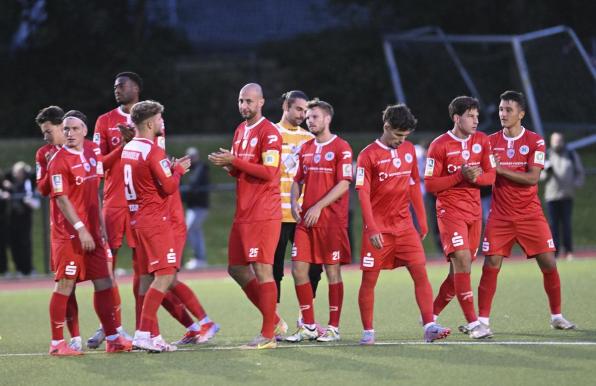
x=292 y=139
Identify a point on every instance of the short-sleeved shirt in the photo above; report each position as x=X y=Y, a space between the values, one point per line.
x=149 y=181
x=76 y=174
x=257 y=199
x=446 y=156
x=322 y=166
x=387 y=174
x=510 y=199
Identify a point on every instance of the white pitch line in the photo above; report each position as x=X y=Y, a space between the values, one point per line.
x=351 y=344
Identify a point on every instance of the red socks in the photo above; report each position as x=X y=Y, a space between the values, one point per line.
x=186 y=296
x=486 y=290
x=153 y=299
x=175 y=307
x=103 y=302
x=305 y=301
x=552 y=286
x=336 y=298
x=72 y=316
x=423 y=292
x=117 y=305
x=446 y=293
x=366 y=298
x=251 y=289
x=465 y=296
x=58 y=304
x=267 y=305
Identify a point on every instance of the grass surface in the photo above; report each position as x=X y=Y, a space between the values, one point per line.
x=520 y=315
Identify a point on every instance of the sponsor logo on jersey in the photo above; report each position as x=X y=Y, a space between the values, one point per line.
x=359 y=176
x=272 y=139
x=97 y=138
x=465 y=154
x=383 y=176
x=92 y=162
x=396 y=162
x=253 y=142
x=476 y=148
x=57 y=183
x=524 y=150
x=115 y=141
x=430 y=167
x=271 y=158
x=510 y=153
x=408 y=157
x=87 y=167
x=165 y=166
x=347 y=170
x=452 y=168
x=346 y=154
x=79 y=180
x=539 y=157
x=317 y=158
x=244 y=143
x=329 y=155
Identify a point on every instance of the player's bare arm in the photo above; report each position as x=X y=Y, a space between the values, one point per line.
x=71 y=215
x=295 y=193
x=530 y=177
x=313 y=213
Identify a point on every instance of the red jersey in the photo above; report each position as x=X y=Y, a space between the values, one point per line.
x=510 y=199
x=446 y=156
x=149 y=181
x=76 y=174
x=42 y=157
x=257 y=149
x=387 y=174
x=323 y=165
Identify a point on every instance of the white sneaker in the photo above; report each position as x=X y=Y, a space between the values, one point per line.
x=143 y=341
x=303 y=333
x=195 y=264
x=158 y=341
x=481 y=331
x=281 y=329
x=330 y=335
x=562 y=324
x=76 y=344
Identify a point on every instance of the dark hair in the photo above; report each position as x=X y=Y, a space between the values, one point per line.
x=322 y=105
x=132 y=76
x=144 y=110
x=515 y=96
x=76 y=114
x=52 y=114
x=399 y=117
x=461 y=104
x=291 y=96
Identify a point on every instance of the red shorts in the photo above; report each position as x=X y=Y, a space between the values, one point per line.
x=459 y=235
x=321 y=245
x=71 y=262
x=253 y=242
x=401 y=249
x=532 y=234
x=156 y=251
x=179 y=232
x=117 y=225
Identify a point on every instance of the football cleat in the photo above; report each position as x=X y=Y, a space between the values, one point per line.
x=76 y=344
x=481 y=331
x=63 y=350
x=124 y=334
x=161 y=343
x=331 y=335
x=303 y=333
x=208 y=331
x=144 y=342
x=97 y=339
x=562 y=324
x=191 y=337
x=281 y=328
x=260 y=343
x=436 y=332
x=120 y=344
x=368 y=337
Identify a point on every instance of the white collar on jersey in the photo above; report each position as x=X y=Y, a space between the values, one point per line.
x=142 y=139
x=378 y=142
x=72 y=151
x=325 y=143
x=247 y=127
x=457 y=138
x=515 y=138
x=119 y=109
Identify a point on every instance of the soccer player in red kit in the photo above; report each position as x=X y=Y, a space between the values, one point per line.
x=255 y=163
x=149 y=179
x=387 y=181
x=78 y=246
x=50 y=121
x=516 y=212
x=322 y=220
x=460 y=162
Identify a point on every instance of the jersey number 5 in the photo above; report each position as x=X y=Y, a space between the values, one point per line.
x=129 y=189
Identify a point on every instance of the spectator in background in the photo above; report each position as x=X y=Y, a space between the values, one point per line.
x=195 y=194
x=20 y=213
x=563 y=173
x=4 y=197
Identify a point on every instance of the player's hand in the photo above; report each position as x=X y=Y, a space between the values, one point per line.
x=471 y=173
x=497 y=159
x=377 y=240
x=312 y=216
x=128 y=132
x=221 y=158
x=423 y=231
x=184 y=162
x=296 y=212
x=86 y=240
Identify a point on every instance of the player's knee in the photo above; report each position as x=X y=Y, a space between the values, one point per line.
x=102 y=284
